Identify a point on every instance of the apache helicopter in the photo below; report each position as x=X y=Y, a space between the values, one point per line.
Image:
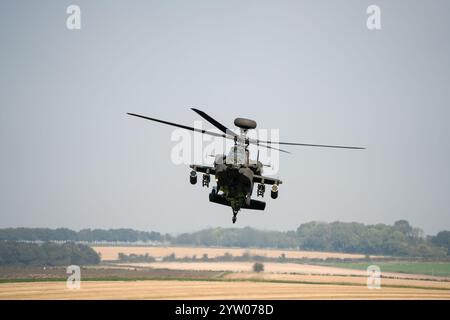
x=236 y=174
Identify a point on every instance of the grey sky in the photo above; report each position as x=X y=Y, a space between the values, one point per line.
x=71 y=157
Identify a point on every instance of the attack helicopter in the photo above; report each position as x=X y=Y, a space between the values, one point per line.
x=236 y=174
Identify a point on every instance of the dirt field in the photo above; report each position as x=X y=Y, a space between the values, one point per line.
x=103 y=273
x=356 y=280
x=207 y=290
x=111 y=253
x=215 y=280
x=273 y=267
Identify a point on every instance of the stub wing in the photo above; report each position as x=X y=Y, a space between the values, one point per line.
x=256 y=178
x=203 y=169
x=266 y=180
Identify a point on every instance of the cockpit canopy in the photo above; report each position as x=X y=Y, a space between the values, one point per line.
x=237 y=156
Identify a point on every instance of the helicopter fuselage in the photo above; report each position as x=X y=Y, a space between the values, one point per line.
x=236 y=184
x=235 y=176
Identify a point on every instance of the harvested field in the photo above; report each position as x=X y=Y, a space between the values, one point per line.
x=273 y=267
x=207 y=290
x=356 y=280
x=103 y=272
x=435 y=268
x=111 y=253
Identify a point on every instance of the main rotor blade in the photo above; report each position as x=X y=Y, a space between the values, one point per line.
x=302 y=144
x=270 y=147
x=182 y=126
x=199 y=130
x=214 y=122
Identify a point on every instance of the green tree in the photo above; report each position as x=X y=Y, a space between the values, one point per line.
x=442 y=239
x=258 y=267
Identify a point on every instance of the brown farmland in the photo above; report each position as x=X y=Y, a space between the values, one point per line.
x=277 y=268
x=215 y=280
x=208 y=290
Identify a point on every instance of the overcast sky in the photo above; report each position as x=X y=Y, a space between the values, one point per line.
x=70 y=157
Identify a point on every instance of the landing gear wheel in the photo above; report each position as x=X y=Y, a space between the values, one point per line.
x=234 y=219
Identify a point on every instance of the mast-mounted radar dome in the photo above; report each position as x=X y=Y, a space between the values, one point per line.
x=245 y=124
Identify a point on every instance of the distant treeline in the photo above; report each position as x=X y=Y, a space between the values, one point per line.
x=228 y=257
x=136 y=257
x=400 y=239
x=87 y=235
x=47 y=254
x=442 y=239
